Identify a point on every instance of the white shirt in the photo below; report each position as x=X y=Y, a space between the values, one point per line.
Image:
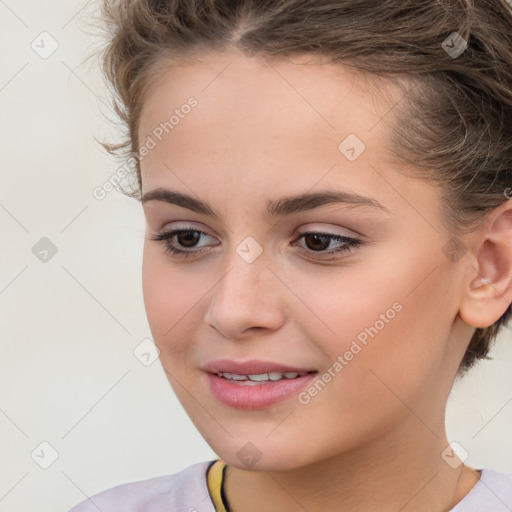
x=187 y=491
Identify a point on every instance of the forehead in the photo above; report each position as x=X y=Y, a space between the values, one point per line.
x=250 y=91
x=245 y=102
x=268 y=128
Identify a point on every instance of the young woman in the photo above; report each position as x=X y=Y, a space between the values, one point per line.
x=326 y=188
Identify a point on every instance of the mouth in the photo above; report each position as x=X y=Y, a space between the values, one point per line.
x=254 y=369
x=255 y=383
x=259 y=390
x=261 y=378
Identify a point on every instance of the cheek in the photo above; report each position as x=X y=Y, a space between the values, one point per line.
x=170 y=297
x=384 y=330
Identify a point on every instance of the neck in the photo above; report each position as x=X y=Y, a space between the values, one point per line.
x=402 y=470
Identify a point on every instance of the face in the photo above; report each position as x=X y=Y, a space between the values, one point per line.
x=359 y=290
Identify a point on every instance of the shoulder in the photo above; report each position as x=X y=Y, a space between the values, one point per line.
x=492 y=493
x=185 y=491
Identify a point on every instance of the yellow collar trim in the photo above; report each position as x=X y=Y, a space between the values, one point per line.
x=215 y=479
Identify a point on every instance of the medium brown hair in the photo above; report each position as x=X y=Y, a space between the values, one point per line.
x=453 y=128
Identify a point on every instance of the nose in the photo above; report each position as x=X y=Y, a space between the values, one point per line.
x=248 y=298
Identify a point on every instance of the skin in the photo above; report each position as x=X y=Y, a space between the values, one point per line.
x=372 y=438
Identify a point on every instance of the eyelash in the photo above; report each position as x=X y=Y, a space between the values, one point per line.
x=350 y=243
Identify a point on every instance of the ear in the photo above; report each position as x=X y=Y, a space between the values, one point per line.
x=489 y=283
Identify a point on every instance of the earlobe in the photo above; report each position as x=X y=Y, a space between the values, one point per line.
x=489 y=284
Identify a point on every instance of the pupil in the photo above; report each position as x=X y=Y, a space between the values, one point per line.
x=316 y=237
x=187 y=235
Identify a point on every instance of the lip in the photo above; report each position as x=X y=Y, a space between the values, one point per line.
x=257 y=396
x=251 y=367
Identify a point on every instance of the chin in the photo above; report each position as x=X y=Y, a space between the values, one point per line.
x=249 y=457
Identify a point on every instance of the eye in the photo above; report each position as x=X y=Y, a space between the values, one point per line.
x=320 y=241
x=188 y=237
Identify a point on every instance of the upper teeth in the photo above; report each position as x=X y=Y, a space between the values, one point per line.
x=261 y=376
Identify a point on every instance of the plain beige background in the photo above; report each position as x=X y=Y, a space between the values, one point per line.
x=79 y=412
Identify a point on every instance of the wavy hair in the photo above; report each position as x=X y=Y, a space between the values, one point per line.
x=453 y=128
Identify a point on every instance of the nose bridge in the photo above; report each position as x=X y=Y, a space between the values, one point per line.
x=246 y=294
x=246 y=271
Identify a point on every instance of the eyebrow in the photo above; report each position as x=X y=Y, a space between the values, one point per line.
x=277 y=207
